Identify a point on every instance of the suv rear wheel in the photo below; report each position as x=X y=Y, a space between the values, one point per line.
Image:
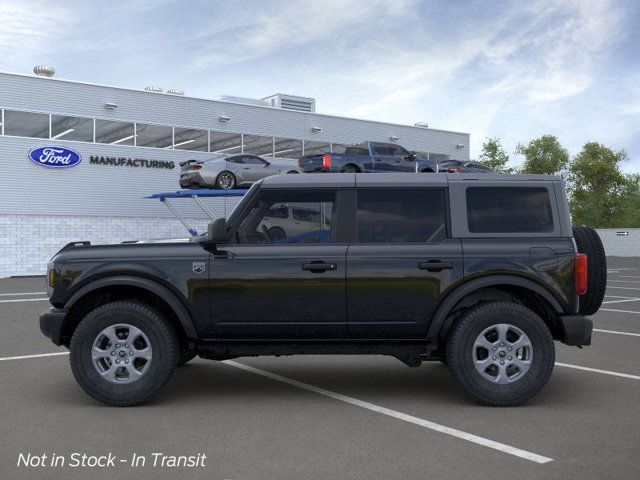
x=502 y=353
x=123 y=353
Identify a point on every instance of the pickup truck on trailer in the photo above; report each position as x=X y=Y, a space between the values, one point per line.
x=368 y=157
x=480 y=271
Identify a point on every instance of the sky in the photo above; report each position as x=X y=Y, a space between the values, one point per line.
x=513 y=70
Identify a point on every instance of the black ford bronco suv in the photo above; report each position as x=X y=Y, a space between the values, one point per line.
x=479 y=271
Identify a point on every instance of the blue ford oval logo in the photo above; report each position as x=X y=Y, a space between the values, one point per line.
x=55 y=157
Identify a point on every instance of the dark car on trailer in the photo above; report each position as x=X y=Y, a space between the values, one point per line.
x=462 y=166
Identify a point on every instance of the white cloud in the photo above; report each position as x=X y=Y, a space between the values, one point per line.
x=30 y=28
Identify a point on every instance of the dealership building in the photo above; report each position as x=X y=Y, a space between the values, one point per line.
x=127 y=144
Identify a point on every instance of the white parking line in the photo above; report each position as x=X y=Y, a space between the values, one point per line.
x=616 y=332
x=619 y=311
x=21 y=293
x=616 y=296
x=485 y=442
x=624 y=281
x=629 y=276
x=597 y=370
x=16 y=300
x=622 y=288
x=622 y=301
x=39 y=355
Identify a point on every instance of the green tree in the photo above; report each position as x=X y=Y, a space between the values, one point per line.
x=599 y=191
x=631 y=207
x=494 y=156
x=543 y=155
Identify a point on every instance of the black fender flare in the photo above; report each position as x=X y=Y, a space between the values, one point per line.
x=444 y=309
x=161 y=291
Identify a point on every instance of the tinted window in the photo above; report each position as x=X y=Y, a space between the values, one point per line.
x=381 y=150
x=267 y=220
x=254 y=160
x=357 y=151
x=401 y=216
x=479 y=166
x=235 y=159
x=397 y=151
x=509 y=210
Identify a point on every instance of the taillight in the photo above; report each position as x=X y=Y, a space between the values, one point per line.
x=196 y=167
x=326 y=160
x=580 y=269
x=454 y=170
x=299 y=161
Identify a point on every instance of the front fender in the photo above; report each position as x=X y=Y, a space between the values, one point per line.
x=154 y=287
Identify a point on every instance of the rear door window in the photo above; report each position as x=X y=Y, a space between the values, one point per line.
x=401 y=216
x=509 y=210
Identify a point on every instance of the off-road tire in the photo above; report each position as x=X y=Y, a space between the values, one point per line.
x=588 y=242
x=164 y=344
x=459 y=353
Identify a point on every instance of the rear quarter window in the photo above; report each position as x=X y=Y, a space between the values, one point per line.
x=509 y=210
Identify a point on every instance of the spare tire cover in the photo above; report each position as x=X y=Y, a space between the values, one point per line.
x=588 y=242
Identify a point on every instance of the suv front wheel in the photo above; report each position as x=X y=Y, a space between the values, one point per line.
x=123 y=353
x=502 y=353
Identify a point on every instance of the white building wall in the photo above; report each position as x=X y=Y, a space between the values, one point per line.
x=27 y=242
x=617 y=244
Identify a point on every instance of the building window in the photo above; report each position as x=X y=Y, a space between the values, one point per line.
x=257 y=145
x=287 y=148
x=157 y=136
x=72 y=128
x=226 y=143
x=190 y=139
x=115 y=133
x=26 y=124
x=316 y=148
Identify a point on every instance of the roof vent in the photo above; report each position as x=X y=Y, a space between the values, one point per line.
x=175 y=91
x=292 y=102
x=44 y=71
x=153 y=88
x=422 y=124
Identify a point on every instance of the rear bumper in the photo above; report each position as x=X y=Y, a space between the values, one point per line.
x=189 y=180
x=576 y=329
x=51 y=321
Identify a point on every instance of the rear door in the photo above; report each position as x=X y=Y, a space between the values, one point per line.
x=401 y=262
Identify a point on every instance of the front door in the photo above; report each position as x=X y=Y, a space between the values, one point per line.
x=401 y=262
x=280 y=279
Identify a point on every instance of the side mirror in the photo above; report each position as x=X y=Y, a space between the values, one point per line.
x=217 y=231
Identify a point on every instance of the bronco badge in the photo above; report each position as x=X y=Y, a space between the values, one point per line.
x=198 y=267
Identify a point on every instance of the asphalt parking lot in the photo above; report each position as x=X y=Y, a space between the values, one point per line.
x=331 y=417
